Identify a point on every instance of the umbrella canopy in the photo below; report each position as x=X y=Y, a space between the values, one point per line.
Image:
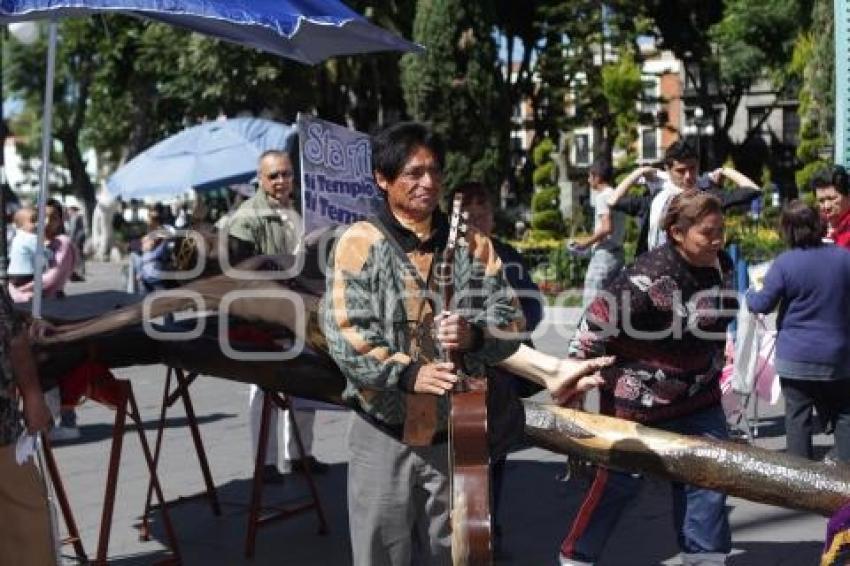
x=209 y=155
x=305 y=30
x=308 y=31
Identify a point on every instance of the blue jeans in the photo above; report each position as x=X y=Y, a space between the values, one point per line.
x=699 y=515
x=603 y=266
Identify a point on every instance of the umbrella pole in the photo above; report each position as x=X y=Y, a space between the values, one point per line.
x=46 y=142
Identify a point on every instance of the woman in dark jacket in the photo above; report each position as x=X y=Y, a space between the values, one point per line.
x=811 y=285
x=665 y=320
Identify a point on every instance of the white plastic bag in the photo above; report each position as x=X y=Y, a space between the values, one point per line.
x=747 y=345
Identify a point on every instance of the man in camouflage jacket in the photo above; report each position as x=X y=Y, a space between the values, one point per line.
x=379 y=312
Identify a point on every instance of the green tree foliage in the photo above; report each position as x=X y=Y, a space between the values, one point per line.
x=456 y=85
x=757 y=38
x=365 y=91
x=77 y=63
x=622 y=87
x=813 y=63
x=523 y=27
x=154 y=80
x=124 y=83
x=588 y=45
x=546 y=219
x=754 y=41
x=728 y=47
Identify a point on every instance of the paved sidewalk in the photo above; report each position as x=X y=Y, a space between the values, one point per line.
x=537 y=507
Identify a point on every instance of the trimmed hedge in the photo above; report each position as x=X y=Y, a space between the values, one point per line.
x=549 y=221
x=758 y=242
x=544 y=199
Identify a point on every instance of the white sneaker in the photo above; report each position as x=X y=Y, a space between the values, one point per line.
x=64 y=433
x=703 y=559
x=564 y=561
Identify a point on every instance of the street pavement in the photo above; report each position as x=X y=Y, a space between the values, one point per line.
x=536 y=510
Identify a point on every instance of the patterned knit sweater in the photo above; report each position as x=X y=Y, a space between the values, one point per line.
x=10 y=417
x=379 y=324
x=662 y=318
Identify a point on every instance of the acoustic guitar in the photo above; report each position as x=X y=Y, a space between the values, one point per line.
x=468 y=450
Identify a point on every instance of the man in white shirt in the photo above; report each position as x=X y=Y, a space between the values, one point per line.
x=682 y=164
x=609 y=229
x=682 y=174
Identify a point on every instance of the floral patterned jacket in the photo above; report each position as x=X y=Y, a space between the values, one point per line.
x=665 y=320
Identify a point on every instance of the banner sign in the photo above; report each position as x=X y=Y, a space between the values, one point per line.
x=337 y=186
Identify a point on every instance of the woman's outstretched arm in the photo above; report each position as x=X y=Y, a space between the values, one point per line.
x=563 y=378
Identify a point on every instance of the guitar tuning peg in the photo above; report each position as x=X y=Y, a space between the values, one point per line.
x=463 y=227
x=464 y=215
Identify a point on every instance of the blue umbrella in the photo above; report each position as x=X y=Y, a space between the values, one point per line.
x=305 y=30
x=206 y=156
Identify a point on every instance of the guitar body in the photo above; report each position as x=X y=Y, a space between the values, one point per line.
x=469 y=453
x=471 y=528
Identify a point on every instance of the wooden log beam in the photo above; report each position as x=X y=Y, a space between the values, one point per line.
x=737 y=469
x=740 y=470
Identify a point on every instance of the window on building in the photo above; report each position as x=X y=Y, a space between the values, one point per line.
x=756 y=120
x=692 y=77
x=581 y=147
x=790 y=126
x=516 y=143
x=649 y=150
x=649 y=95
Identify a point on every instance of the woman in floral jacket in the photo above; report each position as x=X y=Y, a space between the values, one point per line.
x=665 y=320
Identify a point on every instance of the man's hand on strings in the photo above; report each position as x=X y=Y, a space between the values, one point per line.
x=454 y=332
x=435 y=378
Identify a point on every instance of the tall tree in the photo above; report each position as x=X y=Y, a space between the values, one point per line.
x=522 y=27
x=589 y=59
x=365 y=91
x=123 y=84
x=77 y=61
x=727 y=47
x=456 y=85
x=754 y=43
x=155 y=80
x=813 y=64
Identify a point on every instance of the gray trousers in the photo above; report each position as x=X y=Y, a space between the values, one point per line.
x=398 y=500
x=603 y=266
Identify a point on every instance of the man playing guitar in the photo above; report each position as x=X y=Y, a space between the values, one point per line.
x=379 y=314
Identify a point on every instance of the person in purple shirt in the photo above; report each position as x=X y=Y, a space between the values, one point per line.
x=810 y=283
